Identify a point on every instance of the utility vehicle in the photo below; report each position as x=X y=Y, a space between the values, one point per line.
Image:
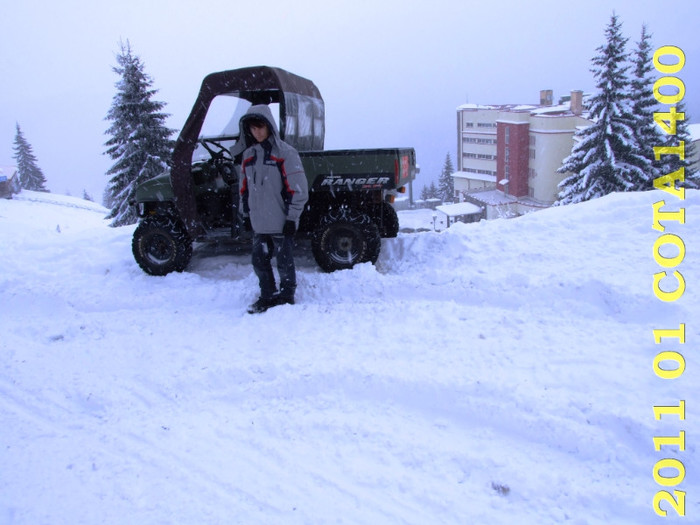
x=350 y=191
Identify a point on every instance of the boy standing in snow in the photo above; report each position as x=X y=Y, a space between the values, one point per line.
x=273 y=194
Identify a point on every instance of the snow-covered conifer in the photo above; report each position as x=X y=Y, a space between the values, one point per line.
x=424 y=193
x=30 y=175
x=446 y=189
x=140 y=143
x=429 y=192
x=433 y=191
x=672 y=162
x=605 y=156
x=644 y=104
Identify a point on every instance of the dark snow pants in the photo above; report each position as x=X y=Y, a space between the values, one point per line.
x=266 y=246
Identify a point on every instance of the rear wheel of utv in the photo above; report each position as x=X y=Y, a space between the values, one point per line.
x=345 y=238
x=390 y=221
x=160 y=246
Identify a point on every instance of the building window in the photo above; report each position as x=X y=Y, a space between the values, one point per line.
x=470 y=140
x=507 y=135
x=480 y=172
x=479 y=156
x=532 y=153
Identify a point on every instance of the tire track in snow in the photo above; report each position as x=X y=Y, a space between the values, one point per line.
x=117 y=443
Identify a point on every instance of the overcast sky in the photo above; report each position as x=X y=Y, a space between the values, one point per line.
x=390 y=74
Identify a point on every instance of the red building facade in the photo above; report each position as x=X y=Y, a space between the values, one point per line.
x=513 y=152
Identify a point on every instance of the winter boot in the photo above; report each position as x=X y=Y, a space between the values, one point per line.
x=262 y=305
x=284 y=299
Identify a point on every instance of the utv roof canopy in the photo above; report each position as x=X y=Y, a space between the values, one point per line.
x=257 y=80
x=302 y=112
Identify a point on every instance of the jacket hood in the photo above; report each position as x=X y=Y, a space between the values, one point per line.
x=259 y=112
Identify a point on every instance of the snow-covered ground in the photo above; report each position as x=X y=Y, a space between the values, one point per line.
x=493 y=373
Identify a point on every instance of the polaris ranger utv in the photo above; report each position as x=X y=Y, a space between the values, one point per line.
x=350 y=191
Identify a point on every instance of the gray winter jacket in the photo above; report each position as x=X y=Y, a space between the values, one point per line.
x=273 y=183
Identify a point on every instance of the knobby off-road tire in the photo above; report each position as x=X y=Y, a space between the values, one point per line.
x=161 y=245
x=390 y=221
x=345 y=238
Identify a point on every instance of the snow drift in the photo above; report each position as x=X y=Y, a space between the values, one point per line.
x=495 y=373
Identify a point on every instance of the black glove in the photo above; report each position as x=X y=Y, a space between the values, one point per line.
x=246 y=224
x=290 y=228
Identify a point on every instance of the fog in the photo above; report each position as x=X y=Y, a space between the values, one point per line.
x=390 y=75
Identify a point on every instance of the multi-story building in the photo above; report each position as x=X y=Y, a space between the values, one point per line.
x=508 y=155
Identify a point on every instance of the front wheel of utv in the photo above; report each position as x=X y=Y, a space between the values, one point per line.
x=161 y=245
x=345 y=238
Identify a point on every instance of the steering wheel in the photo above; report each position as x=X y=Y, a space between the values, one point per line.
x=216 y=150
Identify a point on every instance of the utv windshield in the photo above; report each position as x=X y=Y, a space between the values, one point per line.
x=221 y=123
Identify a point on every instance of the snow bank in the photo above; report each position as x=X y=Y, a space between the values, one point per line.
x=497 y=372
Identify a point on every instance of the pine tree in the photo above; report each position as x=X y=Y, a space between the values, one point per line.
x=107 y=198
x=140 y=143
x=424 y=195
x=604 y=158
x=647 y=133
x=673 y=162
x=433 y=191
x=446 y=189
x=29 y=174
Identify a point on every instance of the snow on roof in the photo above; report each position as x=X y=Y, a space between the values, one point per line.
x=516 y=122
x=461 y=208
x=499 y=107
x=543 y=110
x=473 y=176
x=493 y=197
x=475 y=106
x=534 y=109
